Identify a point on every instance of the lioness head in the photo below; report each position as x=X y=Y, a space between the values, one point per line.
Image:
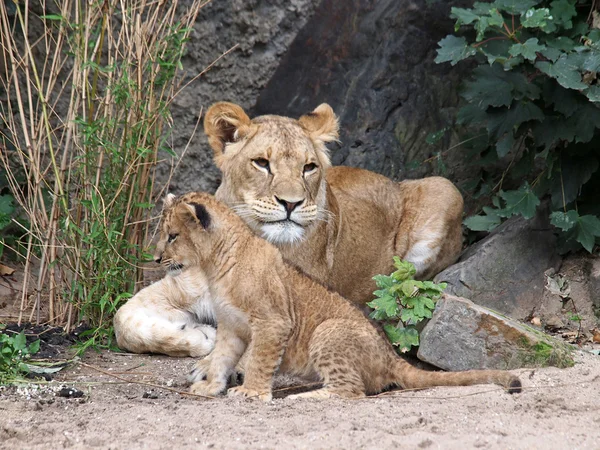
x=273 y=168
x=188 y=231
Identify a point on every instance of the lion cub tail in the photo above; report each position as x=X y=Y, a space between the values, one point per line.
x=409 y=377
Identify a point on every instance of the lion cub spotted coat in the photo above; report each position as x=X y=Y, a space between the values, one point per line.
x=289 y=322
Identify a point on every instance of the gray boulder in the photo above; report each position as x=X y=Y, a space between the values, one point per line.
x=505 y=271
x=462 y=335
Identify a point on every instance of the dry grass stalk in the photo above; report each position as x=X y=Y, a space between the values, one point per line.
x=84 y=123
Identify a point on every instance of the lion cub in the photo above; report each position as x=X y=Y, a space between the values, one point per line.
x=289 y=322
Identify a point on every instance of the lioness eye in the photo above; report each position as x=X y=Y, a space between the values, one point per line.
x=261 y=162
x=309 y=167
x=172 y=237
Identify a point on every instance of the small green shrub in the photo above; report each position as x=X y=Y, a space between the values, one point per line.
x=14 y=351
x=533 y=99
x=402 y=303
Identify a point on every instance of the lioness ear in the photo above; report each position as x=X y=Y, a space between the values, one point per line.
x=321 y=124
x=168 y=200
x=199 y=213
x=225 y=123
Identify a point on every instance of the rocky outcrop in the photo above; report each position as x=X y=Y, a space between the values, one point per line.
x=372 y=61
x=462 y=335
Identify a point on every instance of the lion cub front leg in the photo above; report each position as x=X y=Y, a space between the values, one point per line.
x=209 y=375
x=269 y=339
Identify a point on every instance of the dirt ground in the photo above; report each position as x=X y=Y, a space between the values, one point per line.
x=559 y=408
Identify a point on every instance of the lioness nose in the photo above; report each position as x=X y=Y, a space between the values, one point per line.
x=157 y=259
x=289 y=206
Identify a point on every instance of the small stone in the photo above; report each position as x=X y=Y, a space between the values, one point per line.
x=554 y=323
x=150 y=394
x=70 y=392
x=536 y=321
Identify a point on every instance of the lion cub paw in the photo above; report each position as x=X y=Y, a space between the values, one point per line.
x=207 y=388
x=241 y=391
x=200 y=370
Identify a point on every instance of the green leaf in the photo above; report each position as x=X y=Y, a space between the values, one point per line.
x=522 y=201
x=405 y=270
x=409 y=287
x=385 y=305
x=536 y=18
x=383 y=281
x=588 y=228
x=565 y=70
x=463 y=16
x=453 y=49
x=593 y=93
x=504 y=145
x=528 y=49
x=403 y=338
x=564 y=221
x=576 y=171
x=52 y=17
x=505 y=121
x=482 y=223
x=34 y=347
x=20 y=341
x=562 y=11
x=6 y=204
x=515 y=6
x=487 y=89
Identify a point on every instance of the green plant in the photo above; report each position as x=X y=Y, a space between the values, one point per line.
x=403 y=302
x=85 y=122
x=14 y=351
x=533 y=97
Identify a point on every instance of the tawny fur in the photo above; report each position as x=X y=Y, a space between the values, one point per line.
x=287 y=321
x=165 y=317
x=349 y=222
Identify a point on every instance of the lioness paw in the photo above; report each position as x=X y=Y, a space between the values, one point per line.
x=241 y=391
x=207 y=388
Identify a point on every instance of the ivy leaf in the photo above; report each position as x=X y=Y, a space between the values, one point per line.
x=593 y=93
x=453 y=49
x=34 y=347
x=471 y=114
x=522 y=201
x=504 y=145
x=536 y=18
x=585 y=122
x=403 y=338
x=20 y=341
x=528 y=49
x=6 y=204
x=482 y=223
x=564 y=101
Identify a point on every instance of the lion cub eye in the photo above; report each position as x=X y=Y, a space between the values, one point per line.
x=261 y=163
x=172 y=237
x=311 y=167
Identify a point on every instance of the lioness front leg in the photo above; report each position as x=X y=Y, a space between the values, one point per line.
x=209 y=375
x=269 y=339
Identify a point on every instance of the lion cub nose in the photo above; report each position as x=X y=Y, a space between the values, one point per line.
x=289 y=206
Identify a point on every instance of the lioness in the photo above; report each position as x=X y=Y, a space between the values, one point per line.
x=340 y=225
x=290 y=322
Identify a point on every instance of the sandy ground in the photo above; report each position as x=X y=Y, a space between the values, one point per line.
x=558 y=409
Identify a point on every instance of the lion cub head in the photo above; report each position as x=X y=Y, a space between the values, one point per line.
x=189 y=231
x=273 y=168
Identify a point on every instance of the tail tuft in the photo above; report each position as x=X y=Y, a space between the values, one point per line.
x=514 y=386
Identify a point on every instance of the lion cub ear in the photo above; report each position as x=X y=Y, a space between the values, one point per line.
x=225 y=123
x=199 y=214
x=168 y=201
x=321 y=124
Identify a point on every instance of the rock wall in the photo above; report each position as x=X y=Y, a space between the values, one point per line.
x=263 y=30
x=372 y=61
